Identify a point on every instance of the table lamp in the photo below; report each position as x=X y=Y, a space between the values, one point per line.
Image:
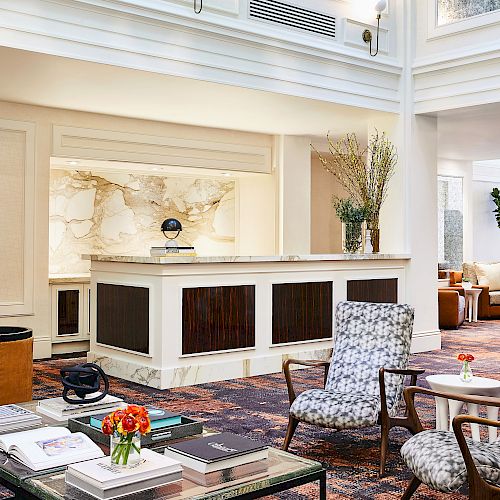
x=171 y=226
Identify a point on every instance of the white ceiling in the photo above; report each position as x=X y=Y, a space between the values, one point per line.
x=470 y=133
x=52 y=81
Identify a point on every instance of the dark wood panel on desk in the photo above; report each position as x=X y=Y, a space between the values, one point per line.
x=123 y=316
x=374 y=290
x=302 y=311
x=218 y=318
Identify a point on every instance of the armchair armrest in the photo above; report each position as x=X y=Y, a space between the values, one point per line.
x=476 y=482
x=409 y=395
x=412 y=372
x=308 y=362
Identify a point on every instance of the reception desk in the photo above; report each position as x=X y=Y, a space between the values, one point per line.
x=175 y=321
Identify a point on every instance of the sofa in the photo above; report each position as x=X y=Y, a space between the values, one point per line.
x=451 y=307
x=485 y=276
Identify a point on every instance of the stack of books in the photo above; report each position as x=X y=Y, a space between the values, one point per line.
x=172 y=252
x=49 y=447
x=102 y=480
x=219 y=458
x=60 y=410
x=13 y=418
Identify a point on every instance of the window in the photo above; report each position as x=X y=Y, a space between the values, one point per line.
x=450 y=222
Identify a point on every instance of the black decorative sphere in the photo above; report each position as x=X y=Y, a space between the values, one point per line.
x=84 y=380
x=171 y=225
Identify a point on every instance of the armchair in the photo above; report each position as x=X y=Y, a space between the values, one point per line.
x=451 y=303
x=363 y=384
x=445 y=460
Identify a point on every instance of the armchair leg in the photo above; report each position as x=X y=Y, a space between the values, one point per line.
x=384 y=446
x=292 y=425
x=412 y=487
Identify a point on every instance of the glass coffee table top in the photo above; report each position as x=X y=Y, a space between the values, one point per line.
x=283 y=468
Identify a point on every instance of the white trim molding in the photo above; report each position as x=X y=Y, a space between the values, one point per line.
x=24 y=306
x=170 y=39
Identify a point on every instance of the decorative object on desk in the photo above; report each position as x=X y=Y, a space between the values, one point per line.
x=364 y=172
x=495 y=194
x=353 y=218
x=171 y=226
x=466 y=372
x=125 y=427
x=368 y=242
x=84 y=380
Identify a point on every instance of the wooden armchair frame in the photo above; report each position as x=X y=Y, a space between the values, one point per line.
x=479 y=489
x=385 y=420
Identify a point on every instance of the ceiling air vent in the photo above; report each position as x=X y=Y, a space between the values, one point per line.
x=295 y=17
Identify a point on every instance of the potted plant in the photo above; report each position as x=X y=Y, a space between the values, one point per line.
x=352 y=217
x=364 y=172
x=495 y=194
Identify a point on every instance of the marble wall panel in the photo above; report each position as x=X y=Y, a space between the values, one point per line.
x=120 y=214
x=450 y=11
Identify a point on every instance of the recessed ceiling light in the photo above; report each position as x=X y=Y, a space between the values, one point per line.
x=226 y=174
x=73 y=162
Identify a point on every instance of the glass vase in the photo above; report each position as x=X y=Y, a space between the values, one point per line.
x=353 y=237
x=125 y=451
x=466 y=372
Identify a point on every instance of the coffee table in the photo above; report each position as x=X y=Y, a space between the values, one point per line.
x=478 y=386
x=285 y=471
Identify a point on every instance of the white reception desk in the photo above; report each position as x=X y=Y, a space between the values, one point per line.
x=176 y=321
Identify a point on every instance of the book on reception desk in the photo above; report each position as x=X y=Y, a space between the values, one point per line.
x=102 y=480
x=217 y=452
x=158 y=417
x=172 y=252
x=13 y=418
x=49 y=447
x=60 y=410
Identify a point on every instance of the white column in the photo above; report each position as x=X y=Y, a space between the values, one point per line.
x=294 y=167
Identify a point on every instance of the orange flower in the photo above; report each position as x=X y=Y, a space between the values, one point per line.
x=461 y=357
x=144 y=425
x=107 y=426
x=117 y=415
x=134 y=410
x=469 y=357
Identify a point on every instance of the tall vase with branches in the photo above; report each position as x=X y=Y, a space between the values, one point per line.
x=364 y=172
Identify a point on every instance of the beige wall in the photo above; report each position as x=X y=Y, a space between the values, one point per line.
x=326 y=228
x=44 y=119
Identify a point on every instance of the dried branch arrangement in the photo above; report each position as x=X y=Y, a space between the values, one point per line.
x=363 y=171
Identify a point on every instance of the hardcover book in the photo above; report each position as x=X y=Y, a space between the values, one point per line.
x=159 y=418
x=49 y=447
x=15 y=418
x=217 y=452
x=103 y=480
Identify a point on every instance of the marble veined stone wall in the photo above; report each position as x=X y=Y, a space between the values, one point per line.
x=121 y=214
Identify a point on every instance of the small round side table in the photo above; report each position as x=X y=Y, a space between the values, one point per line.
x=472 y=303
x=478 y=386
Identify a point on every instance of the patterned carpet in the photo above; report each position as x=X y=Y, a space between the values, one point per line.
x=257 y=407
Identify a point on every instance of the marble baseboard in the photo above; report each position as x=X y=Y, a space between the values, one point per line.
x=194 y=374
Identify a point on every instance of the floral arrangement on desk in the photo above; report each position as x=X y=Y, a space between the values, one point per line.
x=125 y=426
x=466 y=372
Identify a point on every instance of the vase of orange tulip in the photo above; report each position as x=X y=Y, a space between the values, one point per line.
x=466 y=371
x=125 y=427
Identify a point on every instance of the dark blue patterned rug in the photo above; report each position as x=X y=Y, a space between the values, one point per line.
x=257 y=407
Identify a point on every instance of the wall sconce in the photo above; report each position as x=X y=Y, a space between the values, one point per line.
x=367 y=34
x=197 y=10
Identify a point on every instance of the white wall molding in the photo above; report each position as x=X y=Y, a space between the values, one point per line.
x=353 y=35
x=17 y=282
x=486 y=171
x=216 y=48
x=75 y=142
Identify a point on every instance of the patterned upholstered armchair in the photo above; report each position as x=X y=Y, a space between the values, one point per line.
x=364 y=382
x=445 y=460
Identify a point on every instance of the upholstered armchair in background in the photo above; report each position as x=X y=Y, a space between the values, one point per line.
x=363 y=384
x=445 y=460
x=451 y=302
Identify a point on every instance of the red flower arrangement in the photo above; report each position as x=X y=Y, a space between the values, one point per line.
x=124 y=425
x=466 y=373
